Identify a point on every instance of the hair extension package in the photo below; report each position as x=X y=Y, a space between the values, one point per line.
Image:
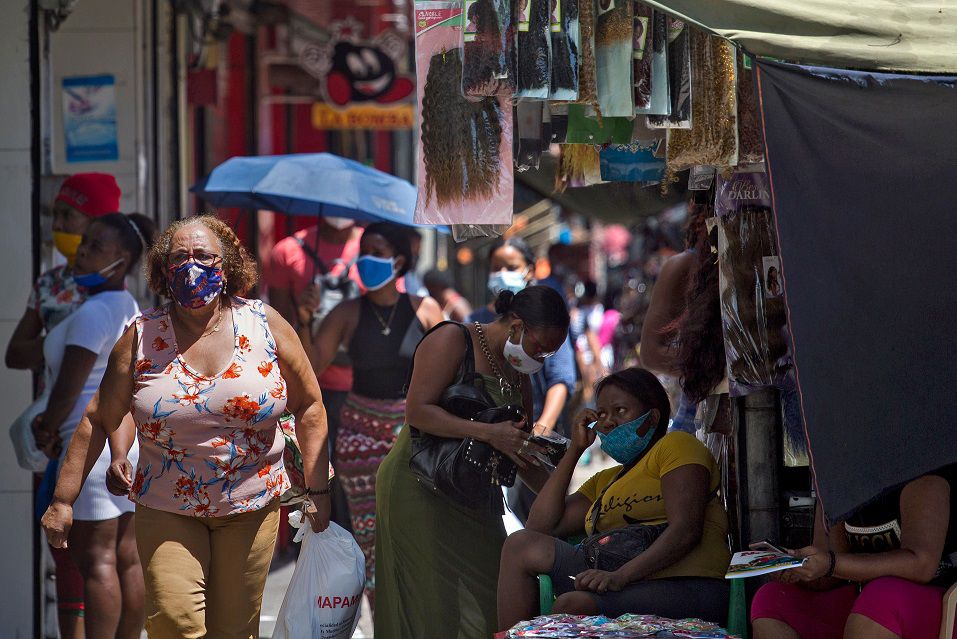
x=614 y=28
x=751 y=284
x=464 y=150
x=489 y=48
x=712 y=139
x=679 y=78
x=534 y=48
x=566 y=43
x=655 y=45
x=750 y=136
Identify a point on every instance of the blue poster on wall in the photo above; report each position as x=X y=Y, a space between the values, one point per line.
x=89 y=119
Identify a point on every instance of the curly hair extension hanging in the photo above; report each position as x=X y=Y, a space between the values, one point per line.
x=485 y=59
x=461 y=139
x=565 y=49
x=587 y=79
x=533 y=62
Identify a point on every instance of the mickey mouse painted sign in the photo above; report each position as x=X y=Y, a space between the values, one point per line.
x=356 y=72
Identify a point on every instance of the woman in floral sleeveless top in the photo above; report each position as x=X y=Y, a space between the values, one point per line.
x=206 y=378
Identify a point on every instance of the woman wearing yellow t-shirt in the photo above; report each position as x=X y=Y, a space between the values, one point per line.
x=664 y=478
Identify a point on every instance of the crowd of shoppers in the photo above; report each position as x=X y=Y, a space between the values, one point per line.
x=167 y=462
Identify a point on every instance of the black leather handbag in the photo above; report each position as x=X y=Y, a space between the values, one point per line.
x=467 y=471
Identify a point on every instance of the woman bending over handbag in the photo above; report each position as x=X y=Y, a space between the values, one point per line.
x=437 y=557
x=656 y=531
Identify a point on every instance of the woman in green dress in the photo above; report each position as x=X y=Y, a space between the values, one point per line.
x=438 y=561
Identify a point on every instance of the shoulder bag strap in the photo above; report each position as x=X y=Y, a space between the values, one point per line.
x=468 y=362
x=308 y=250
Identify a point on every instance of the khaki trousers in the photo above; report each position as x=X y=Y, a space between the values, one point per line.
x=205 y=576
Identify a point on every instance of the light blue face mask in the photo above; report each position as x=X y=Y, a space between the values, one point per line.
x=513 y=281
x=623 y=443
x=375 y=272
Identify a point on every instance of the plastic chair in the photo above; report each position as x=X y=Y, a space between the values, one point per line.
x=949 y=612
x=737 y=605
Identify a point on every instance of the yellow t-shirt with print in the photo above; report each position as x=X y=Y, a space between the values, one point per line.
x=636 y=498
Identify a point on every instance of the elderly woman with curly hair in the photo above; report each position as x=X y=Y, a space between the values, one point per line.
x=206 y=377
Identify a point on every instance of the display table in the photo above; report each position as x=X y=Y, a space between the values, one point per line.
x=624 y=627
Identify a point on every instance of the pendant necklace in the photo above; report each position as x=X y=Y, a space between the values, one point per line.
x=386 y=325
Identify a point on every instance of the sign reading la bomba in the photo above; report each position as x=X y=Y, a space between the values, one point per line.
x=360 y=80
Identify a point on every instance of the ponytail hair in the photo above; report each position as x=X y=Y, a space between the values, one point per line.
x=535 y=305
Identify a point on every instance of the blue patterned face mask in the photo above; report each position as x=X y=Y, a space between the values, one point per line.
x=623 y=443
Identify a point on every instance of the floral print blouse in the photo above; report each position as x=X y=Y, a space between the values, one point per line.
x=55 y=295
x=209 y=446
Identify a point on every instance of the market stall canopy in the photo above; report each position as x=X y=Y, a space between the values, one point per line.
x=880 y=35
x=860 y=169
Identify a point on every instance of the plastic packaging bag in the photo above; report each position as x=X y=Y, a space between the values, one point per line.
x=613 y=58
x=656 y=45
x=679 y=78
x=29 y=457
x=489 y=48
x=462 y=232
x=324 y=596
x=534 y=49
x=566 y=43
x=464 y=147
x=587 y=87
x=750 y=136
x=578 y=165
x=642 y=54
x=712 y=139
x=631 y=163
x=753 y=312
x=529 y=127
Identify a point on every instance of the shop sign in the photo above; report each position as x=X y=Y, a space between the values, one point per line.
x=354 y=71
x=371 y=117
x=89 y=119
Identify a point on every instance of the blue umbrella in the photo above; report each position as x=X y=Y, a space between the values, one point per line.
x=315 y=184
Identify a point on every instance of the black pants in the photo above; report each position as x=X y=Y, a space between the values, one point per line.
x=673 y=597
x=333 y=402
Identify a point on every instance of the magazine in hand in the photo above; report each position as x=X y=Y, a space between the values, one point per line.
x=751 y=563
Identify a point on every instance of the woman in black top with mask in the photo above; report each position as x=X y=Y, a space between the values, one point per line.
x=380 y=329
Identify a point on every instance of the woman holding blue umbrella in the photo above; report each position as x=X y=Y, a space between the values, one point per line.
x=380 y=330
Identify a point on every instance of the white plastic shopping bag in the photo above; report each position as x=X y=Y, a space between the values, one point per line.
x=325 y=594
x=29 y=457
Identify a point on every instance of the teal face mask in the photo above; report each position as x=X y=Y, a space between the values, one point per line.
x=623 y=443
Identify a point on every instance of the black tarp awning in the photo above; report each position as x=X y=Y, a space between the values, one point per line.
x=862 y=170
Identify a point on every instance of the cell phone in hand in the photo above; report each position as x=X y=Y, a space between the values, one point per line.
x=554 y=445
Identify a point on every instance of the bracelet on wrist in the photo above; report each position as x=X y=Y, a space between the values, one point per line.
x=313 y=493
x=833 y=563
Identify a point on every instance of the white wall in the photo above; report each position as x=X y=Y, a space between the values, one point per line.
x=100 y=37
x=16 y=494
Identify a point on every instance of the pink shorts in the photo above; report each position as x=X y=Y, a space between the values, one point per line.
x=909 y=610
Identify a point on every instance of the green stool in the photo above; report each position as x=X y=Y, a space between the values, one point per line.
x=737 y=604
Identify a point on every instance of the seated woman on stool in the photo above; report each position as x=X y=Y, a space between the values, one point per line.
x=900 y=551
x=664 y=478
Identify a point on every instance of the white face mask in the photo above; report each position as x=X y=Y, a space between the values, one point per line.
x=340 y=223
x=518 y=359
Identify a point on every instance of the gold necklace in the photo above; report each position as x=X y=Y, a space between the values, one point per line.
x=215 y=329
x=386 y=325
x=507 y=387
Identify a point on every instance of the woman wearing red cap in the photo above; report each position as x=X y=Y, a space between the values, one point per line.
x=82 y=198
